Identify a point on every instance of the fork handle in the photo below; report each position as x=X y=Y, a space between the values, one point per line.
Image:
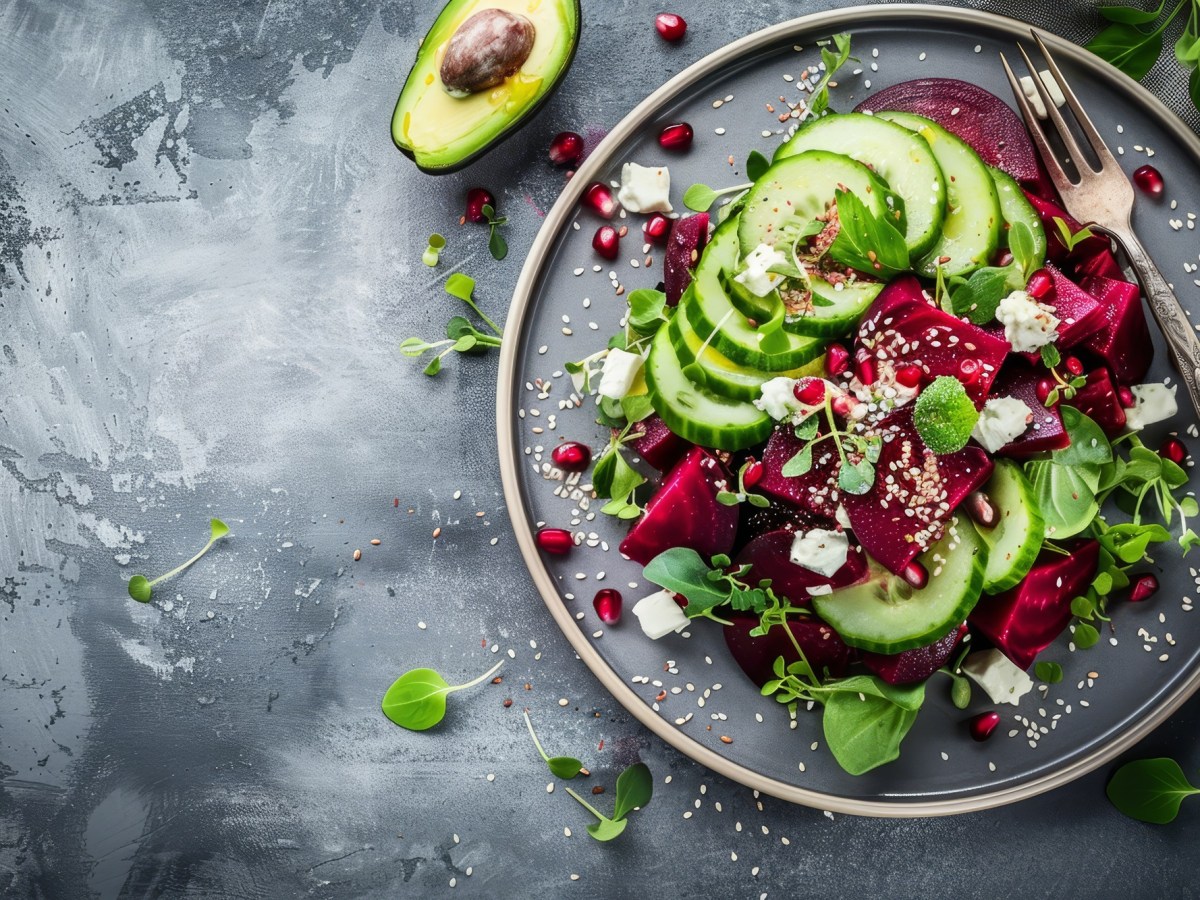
x=1178 y=331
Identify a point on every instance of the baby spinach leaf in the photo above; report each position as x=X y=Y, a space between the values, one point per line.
x=565 y=767
x=647 y=310
x=1067 y=501
x=417 y=699
x=1089 y=446
x=635 y=787
x=1150 y=790
x=978 y=296
x=141 y=588
x=682 y=570
x=1049 y=672
x=864 y=730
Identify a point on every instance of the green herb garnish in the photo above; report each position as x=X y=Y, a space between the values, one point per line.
x=944 y=415
x=1131 y=45
x=742 y=495
x=857 y=454
x=461 y=335
x=832 y=61
x=614 y=478
x=140 y=587
x=699 y=197
x=566 y=767
x=648 y=310
x=866 y=243
x=1150 y=790
x=497 y=246
x=1072 y=239
x=417 y=699
x=1049 y=672
x=635 y=787
x=432 y=253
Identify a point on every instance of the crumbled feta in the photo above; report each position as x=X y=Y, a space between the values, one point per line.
x=819 y=590
x=645 y=189
x=1035 y=99
x=659 y=615
x=1028 y=325
x=1153 y=402
x=1001 y=421
x=777 y=398
x=619 y=373
x=998 y=676
x=754 y=274
x=841 y=516
x=820 y=550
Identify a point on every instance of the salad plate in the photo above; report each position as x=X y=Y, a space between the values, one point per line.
x=687 y=687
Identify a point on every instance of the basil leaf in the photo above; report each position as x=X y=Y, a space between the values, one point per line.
x=1127 y=47
x=681 y=570
x=1150 y=790
x=978 y=297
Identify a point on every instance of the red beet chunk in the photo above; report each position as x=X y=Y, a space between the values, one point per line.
x=1078 y=312
x=1023 y=622
x=1056 y=250
x=980 y=118
x=1098 y=400
x=688 y=237
x=768 y=555
x=815 y=491
x=905 y=510
x=1124 y=341
x=1046 y=431
x=914 y=665
x=658 y=445
x=902 y=329
x=685 y=513
x=1095 y=262
x=756 y=655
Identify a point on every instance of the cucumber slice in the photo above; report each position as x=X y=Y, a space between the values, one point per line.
x=798 y=189
x=695 y=413
x=719 y=373
x=710 y=309
x=902 y=158
x=1015 y=208
x=1016 y=539
x=885 y=615
x=972 y=225
x=834 y=311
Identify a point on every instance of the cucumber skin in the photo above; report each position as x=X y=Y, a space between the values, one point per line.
x=1027 y=554
x=1014 y=207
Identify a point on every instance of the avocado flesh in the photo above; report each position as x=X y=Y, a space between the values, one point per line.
x=442 y=133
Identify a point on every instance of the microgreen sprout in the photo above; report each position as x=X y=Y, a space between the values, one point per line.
x=417 y=699
x=461 y=335
x=496 y=243
x=635 y=787
x=1070 y=238
x=560 y=766
x=742 y=495
x=857 y=454
x=140 y=587
x=699 y=197
x=430 y=257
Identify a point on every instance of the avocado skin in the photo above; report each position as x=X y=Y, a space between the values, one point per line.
x=518 y=121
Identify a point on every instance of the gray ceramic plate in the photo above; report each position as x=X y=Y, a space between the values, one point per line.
x=564 y=310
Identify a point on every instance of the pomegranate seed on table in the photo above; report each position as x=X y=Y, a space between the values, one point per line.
x=670 y=26
x=837 y=360
x=984 y=724
x=477 y=199
x=809 y=391
x=1149 y=181
x=607 y=242
x=566 y=149
x=657 y=228
x=1174 y=450
x=571 y=456
x=600 y=199
x=554 y=540
x=607 y=604
x=677 y=137
x=1040 y=284
x=1144 y=587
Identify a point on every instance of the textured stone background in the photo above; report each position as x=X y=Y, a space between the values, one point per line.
x=209 y=250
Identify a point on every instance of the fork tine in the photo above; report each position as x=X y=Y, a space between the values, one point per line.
x=1057 y=174
x=1074 y=151
x=1089 y=129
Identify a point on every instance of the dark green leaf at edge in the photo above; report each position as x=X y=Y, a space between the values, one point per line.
x=1131 y=15
x=1049 y=672
x=1128 y=48
x=1149 y=790
x=756 y=165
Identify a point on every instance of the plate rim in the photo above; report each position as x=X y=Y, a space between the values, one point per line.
x=507 y=379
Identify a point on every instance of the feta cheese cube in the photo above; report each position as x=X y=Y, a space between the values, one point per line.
x=619 y=373
x=659 y=615
x=1002 y=420
x=998 y=676
x=1028 y=325
x=754 y=274
x=645 y=189
x=1153 y=403
x=778 y=399
x=820 y=550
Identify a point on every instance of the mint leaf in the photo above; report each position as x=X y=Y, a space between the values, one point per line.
x=978 y=296
x=944 y=415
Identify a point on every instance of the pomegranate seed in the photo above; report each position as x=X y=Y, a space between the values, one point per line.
x=982 y=509
x=607 y=242
x=657 y=228
x=566 y=149
x=837 y=360
x=670 y=26
x=571 y=456
x=969 y=370
x=841 y=405
x=1149 y=180
x=1044 y=387
x=1073 y=365
x=909 y=376
x=916 y=575
x=1144 y=587
x=600 y=198
x=677 y=137
x=753 y=474
x=983 y=725
x=607 y=604
x=1003 y=258
x=1174 y=450
x=1040 y=284
x=864 y=369
x=554 y=540
x=810 y=391
x=1125 y=395
x=477 y=199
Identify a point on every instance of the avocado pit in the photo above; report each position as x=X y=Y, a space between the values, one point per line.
x=487 y=48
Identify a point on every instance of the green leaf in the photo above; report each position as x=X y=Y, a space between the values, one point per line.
x=758 y=500
x=635 y=787
x=139 y=588
x=497 y=246
x=856 y=478
x=460 y=286
x=1194 y=88
x=1023 y=246
x=681 y=570
x=636 y=407
x=217 y=529
x=798 y=464
x=978 y=297
x=647 y=310
x=944 y=415
x=1089 y=446
x=1066 y=500
x=1071 y=238
x=1085 y=636
x=1127 y=47
x=1150 y=790
x=960 y=692
x=864 y=242
x=699 y=197
x=607 y=829
x=604 y=470
x=756 y=165
x=807 y=429
x=1049 y=672
x=465 y=343
x=1130 y=15
x=457 y=327
x=417 y=699
x=1187 y=47
x=435 y=366
x=565 y=767
x=864 y=730
x=414 y=346
x=1050 y=356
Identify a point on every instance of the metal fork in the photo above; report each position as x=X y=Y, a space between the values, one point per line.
x=1103 y=198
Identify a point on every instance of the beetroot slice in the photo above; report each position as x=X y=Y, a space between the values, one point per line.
x=685 y=512
x=1078 y=312
x=1098 y=400
x=1056 y=250
x=980 y=118
x=687 y=238
x=1093 y=261
x=815 y=491
x=1046 y=432
x=658 y=445
x=915 y=665
x=756 y=655
x=1124 y=341
x=769 y=556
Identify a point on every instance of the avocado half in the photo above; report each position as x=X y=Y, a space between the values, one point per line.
x=442 y=133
